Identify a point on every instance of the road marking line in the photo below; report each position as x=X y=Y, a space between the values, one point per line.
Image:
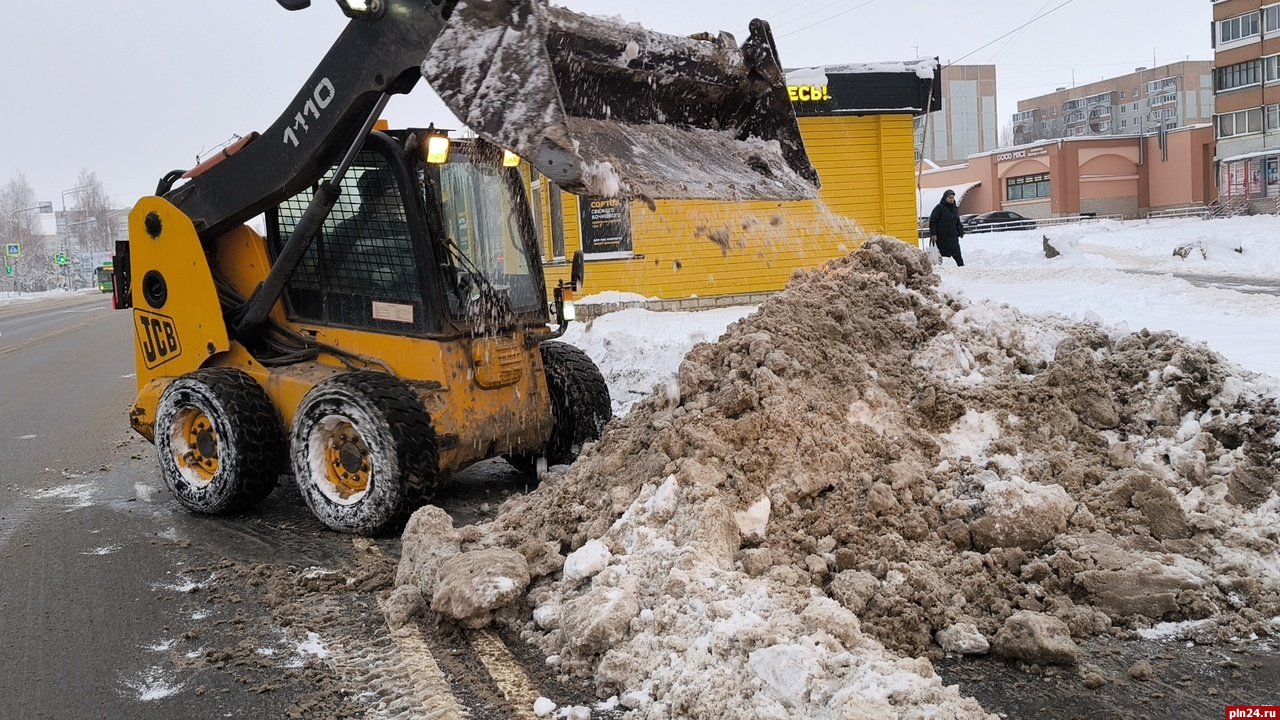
x=506 y=672
x=430 y=686
x=429 y=683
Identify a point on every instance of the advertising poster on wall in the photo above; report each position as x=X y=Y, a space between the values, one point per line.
x=605 y=226
x=1235 y=178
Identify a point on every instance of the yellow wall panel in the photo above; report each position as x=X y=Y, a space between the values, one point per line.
x=700 y=248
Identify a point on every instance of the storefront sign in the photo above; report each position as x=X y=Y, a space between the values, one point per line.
x=605 y=225
x=1021 y=154
x=808 y=93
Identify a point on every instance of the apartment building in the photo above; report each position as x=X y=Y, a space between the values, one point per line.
x=968 y=123
x=1246 y=82
x=1142 y=102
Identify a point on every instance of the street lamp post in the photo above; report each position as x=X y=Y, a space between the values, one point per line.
x=67 y=269
x=65 y=193
x=111 y=228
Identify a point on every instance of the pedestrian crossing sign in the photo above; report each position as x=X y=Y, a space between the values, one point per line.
x=12 y=250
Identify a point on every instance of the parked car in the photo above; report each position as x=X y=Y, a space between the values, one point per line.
x=996 y=221
x=922 y=225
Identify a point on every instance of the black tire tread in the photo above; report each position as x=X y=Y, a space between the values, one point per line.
x=580 y=403
x=262 y=447
x=411 y=437
x=410 y=424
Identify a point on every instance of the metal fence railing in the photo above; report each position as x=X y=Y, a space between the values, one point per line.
x=1073 y=219
x=1197 y=211
x=1034 y=223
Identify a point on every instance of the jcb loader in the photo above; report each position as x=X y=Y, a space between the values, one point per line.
x=393 y=325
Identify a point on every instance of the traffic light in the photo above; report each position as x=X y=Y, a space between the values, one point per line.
x=8 y=269
x=60 y=258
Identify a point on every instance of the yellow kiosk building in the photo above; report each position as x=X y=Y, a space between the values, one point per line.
x=857 y=123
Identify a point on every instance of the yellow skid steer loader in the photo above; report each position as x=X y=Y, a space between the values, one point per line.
x=392 y=325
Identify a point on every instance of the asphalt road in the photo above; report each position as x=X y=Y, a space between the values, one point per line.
x=112 y=603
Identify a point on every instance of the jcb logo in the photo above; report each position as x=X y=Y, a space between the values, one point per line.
x=158 y=339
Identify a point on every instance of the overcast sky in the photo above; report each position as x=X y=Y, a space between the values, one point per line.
x=131 y=90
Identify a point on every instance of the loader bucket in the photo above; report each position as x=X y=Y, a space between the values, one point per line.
x=612 y=109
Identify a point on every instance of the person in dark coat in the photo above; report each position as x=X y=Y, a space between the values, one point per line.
x=945 y=229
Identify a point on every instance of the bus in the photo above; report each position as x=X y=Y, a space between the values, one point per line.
x=105 y=276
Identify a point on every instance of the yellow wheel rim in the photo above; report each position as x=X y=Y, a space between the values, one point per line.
x=198 y=449
x=346 y=460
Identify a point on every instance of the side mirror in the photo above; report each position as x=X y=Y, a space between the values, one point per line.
x=578 y=274
x=294 y=4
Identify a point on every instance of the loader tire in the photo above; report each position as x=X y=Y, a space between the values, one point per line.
x=219 y=440
x=579 y=401
x=364 y=452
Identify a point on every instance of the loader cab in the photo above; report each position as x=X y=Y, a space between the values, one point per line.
x=437 y=249
x=481 y=218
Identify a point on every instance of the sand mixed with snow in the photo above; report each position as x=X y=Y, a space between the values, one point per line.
x=866 y=474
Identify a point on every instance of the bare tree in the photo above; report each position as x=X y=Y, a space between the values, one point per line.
x=87 y=225
x=1006 y=135
x=20 y=223
x=17 y=195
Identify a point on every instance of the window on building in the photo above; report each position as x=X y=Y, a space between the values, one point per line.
x=1239 y=27
x=1028 y=187
x=1124 y=124
x=1121 y=94
x=1242 y=122
x=1271 y=18
x=1271 y=67
x=1239 y=75
x=1123 y=109
x=1273 y=117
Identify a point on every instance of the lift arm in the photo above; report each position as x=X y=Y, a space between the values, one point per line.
x=600 y=107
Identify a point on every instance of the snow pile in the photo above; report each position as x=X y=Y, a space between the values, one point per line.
x=865 y=472
x=634 y=358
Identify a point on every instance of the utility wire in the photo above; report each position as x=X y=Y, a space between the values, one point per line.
x=1020 y=27
x=787 y=10
x=1013 y=37
x=833 y=17
x=811 y=13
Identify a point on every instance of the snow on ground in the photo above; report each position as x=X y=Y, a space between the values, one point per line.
x=13 y=297
x=1126 y=274
x=884 y=464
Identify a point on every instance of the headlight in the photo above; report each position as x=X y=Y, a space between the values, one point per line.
x=438 y=149
x=361 y=9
